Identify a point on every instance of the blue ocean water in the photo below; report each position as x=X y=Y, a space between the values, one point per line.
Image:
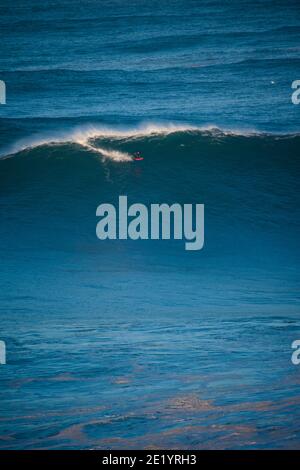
x=141 y=344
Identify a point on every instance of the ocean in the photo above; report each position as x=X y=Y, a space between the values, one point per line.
x=138 y=344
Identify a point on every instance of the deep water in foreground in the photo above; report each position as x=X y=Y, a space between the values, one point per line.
x=135 y=344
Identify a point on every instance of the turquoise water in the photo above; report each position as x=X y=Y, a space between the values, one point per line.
x=141 y=344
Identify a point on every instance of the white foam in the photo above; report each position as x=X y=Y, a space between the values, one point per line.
x=85 y=136
x=115 y=155
x=79 y=137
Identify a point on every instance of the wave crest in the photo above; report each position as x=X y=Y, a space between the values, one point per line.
x=86 y=136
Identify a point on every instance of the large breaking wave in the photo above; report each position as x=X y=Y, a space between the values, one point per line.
x=107 y=141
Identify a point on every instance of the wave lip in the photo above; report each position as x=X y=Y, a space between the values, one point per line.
x=85 y=136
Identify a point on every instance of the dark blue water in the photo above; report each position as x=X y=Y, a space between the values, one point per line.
x=141 y=344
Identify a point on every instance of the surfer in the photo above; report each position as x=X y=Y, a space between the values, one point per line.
x=137 y=156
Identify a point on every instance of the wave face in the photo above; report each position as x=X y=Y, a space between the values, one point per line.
x=247 y=182
x=90 y=136
x=51 y=186
x=97 y=320
x=246 y=179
